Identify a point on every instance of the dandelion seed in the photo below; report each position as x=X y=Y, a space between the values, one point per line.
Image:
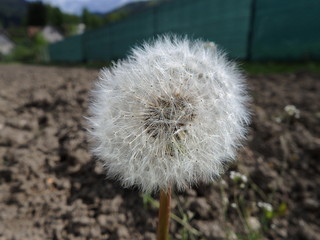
x=278 y=119
x=292 y=111
x=234 y=205
x=236 y=176
x=223 y=183
x=244 y=178
x=210 y=45
x=254 y=223
x=266 y=206
x=225 y=200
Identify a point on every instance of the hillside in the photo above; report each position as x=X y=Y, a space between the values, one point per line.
x=12 y=12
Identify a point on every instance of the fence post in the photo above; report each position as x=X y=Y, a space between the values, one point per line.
x=251 y=29
x=154 y=16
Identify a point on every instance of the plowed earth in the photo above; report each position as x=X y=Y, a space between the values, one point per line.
x=52 y=188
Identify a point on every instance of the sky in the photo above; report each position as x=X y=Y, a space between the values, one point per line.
x=76 y=6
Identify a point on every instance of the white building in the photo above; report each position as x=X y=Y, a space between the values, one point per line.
x=6 y=45
x=81 y=27
x=51 y=34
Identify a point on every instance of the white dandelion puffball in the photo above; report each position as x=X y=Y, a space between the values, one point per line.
x=171 y=115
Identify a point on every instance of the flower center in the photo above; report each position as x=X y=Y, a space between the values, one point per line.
x=166 y=117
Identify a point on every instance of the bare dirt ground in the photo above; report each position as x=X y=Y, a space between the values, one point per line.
x=51 y=188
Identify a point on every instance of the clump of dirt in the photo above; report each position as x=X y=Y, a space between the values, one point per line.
x=51 y=187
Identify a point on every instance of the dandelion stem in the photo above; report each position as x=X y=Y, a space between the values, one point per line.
x=164 y=215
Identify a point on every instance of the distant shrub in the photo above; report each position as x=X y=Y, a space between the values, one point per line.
x=28 y=50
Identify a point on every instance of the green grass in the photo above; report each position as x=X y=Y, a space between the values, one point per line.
x=248 y=67
x=91 y=65
x=279 y=67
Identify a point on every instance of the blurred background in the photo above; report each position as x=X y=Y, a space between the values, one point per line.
x=93 y=31
x=50 y=54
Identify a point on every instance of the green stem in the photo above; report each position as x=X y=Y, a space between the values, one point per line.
x=164 y=215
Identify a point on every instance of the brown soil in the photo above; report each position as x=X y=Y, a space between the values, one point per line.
x=51 y=188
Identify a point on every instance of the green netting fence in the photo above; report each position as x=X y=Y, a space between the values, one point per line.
x=286 y=30
x=70 y=50
x=246 y=29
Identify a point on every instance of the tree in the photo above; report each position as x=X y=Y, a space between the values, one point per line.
x=115 y=16
x=36 y=14
x=54 y=16
x=91 y=20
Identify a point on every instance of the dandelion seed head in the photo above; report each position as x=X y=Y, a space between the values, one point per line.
x=172 y=114
x=266 y=206
x=235 y=176
x=292 y=111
